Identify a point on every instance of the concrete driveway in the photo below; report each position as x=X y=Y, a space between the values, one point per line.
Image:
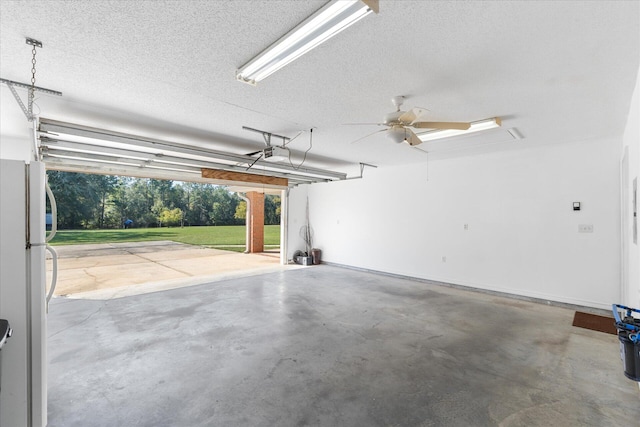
x=103 y=271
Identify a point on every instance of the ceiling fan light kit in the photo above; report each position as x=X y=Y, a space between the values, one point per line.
x=477 y=126
x=331 y=19
x=397 y=134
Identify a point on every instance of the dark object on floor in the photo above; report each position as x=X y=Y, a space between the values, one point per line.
x=595 y=322
x=628 y=328
x=5 y=333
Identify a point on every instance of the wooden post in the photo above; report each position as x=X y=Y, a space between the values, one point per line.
x=256 y=222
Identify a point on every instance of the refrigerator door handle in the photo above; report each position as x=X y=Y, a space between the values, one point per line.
x=54 y=273
x=54 y=211
x=54 y=254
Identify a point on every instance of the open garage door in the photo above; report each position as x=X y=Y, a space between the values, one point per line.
x=77 y=148
x=73 y=147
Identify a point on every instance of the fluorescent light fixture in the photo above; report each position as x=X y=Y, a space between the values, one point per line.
x=332 y=18
x=475 y=127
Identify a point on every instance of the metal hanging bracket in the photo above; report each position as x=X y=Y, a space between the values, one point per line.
x=32 y=88
x=34 y=42
x=362 y=166
x=28 y=86
x=267 y=136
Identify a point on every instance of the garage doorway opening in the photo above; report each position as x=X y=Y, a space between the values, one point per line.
x=191 y=157
x=123 y=236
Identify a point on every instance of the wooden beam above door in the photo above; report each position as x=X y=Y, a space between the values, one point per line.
x=244 y=177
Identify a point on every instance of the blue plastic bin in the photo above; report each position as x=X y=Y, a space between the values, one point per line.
x=629 y=335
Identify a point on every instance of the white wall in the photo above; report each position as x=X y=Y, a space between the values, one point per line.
x=16 y=131
x=522 y=235
x=13 y=148
x=631 y=141
x=296 y=212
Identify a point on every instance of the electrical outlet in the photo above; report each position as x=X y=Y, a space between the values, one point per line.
x=444 y=259
x=466 y=226
x=585 y=228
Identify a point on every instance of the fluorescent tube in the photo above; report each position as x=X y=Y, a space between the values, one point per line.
x=332 y=18
x=475 y=127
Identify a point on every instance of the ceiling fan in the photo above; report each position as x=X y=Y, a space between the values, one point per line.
x=401 y=124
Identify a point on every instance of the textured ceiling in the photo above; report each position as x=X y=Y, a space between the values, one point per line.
x=557 y=71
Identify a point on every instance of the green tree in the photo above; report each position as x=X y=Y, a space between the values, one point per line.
x=224 y=207
x=100 y=187
x=139 y=202
x=271 y=209
x=157 y=209
x=161 y=190
x=241 y=210
x=171 y=217
x=69 y=190
x=100 y=201
x=198 y=203
x=117 y=206
x=82 y=199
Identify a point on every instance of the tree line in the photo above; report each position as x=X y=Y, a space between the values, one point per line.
x=88 y=201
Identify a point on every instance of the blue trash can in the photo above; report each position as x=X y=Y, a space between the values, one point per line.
x=629 y=336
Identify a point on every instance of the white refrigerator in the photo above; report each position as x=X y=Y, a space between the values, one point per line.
x=23 y=392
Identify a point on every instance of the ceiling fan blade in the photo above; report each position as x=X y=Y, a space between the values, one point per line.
x=254 y=153
x=412 y=138
x=367 y=136
x=410 y=116
x=441 y=125
x=363 y=124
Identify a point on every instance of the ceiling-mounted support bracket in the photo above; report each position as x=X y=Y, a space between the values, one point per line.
x=28 y=86
x=268 y=135
x=362 y=166
x=12 y=87
x=34 y=42
x=28 y=115
x=32 y=88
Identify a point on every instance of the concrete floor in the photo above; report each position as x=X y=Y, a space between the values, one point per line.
x=327 y=346
x=102 y=271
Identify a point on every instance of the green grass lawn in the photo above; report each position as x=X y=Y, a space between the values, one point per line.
x=230 y=237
